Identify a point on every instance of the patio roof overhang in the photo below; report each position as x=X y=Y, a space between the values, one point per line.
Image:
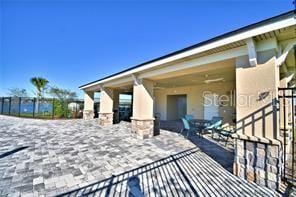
x=272 y=33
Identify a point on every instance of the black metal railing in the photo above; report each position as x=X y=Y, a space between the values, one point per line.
x=287 y=98
x=48 y=108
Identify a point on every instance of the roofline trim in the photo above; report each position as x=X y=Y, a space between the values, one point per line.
x=283 y=20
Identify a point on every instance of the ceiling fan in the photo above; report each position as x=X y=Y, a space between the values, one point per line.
x=207 y=81
x=158 y=88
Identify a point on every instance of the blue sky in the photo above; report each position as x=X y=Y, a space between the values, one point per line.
x=74 y=42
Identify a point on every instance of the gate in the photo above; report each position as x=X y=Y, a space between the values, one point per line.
x=287 y=101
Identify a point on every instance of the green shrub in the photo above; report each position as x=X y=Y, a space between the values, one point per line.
x=61 y=109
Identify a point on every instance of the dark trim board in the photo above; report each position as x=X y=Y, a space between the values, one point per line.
x=231 y=33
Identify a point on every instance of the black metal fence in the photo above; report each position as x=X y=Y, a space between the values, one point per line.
x=287 y=98
x=48 y=108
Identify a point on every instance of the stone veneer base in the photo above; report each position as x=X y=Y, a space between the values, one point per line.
x=105 y=119
x=258 y=162
x=143 y=128
x=88 y=114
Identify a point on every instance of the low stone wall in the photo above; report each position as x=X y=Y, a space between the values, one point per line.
x=105 y=119
x=143 y=128
x=88 y=114
x=258 y=162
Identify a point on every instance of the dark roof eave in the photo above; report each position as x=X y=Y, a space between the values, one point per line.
x=245 y=28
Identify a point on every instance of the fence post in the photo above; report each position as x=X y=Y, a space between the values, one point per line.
x=66 y=108
x=34 y=100
x=52 y=113
x=2 y=105
x=293 y=135
x=76 y=110
x=284 y=104
x=20 y=102
x=9 y=106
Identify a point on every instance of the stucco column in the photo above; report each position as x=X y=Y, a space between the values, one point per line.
x=256 y=96
x=116 y=106
x=106 y=107
x=258 y=151
x=88 y=111
x=143 y=101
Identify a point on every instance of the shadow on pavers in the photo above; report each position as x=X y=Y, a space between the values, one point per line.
x=187 y=173
x=13 y=151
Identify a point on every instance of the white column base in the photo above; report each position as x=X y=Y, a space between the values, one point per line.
x=88 y=114
x=106 y=119
x=143 y=128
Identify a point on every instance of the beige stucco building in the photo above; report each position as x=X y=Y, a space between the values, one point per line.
x=239 y=72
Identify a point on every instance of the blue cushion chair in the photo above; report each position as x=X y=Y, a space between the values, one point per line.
x=187 y=127
x=215 y=124
x=226 y=132
x=189 y=117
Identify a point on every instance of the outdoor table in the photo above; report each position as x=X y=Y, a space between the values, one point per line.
x=200 y=123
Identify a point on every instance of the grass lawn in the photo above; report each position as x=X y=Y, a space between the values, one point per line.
x=30 y=115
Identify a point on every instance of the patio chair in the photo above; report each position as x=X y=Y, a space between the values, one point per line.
x=188 y=117
x=216 y=123
x=188 y=128
x=225 y=131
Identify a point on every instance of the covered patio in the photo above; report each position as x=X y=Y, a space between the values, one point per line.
x=235 y=76
x=203 y=91
x=81 y=158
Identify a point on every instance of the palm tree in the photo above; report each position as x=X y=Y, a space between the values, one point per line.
x=40 y=84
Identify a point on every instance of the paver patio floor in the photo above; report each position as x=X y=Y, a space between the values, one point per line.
x=78 y=157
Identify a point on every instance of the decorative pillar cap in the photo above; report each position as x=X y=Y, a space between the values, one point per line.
x=142 y=119
x=256 y=139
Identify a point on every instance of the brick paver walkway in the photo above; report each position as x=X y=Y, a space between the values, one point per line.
x=51 y=157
